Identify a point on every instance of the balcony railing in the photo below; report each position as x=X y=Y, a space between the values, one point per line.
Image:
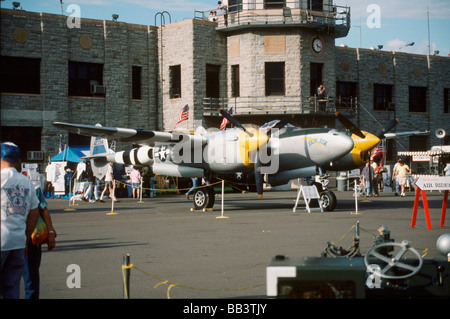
x=279 y=105
x=305 y=13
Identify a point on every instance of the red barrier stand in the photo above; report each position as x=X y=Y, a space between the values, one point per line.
x=416 y=206
x=440 y=183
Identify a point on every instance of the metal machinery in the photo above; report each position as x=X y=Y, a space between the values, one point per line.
x=388 y=270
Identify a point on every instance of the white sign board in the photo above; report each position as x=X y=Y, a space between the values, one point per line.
x=437 y=183
x=421 y=158
x=309 y=192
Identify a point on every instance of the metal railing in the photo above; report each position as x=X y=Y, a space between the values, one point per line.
x=277 y=105
x=294 y=12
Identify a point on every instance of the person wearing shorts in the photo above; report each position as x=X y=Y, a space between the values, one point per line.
x=402 y=171
x=135 y=179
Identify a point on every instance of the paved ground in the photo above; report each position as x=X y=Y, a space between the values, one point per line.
x=208 y=257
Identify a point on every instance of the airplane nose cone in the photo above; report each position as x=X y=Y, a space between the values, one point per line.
x=368 y=143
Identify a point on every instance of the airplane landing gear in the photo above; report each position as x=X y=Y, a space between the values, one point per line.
x=204 y=198
x=327 y=197
x=328 y=200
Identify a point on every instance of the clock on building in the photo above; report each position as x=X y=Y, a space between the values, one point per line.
x=317 y=45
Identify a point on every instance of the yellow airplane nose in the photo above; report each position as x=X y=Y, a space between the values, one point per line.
x=368 y=143
x=362 y=146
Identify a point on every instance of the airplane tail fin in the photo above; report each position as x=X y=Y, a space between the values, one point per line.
x=99 y=151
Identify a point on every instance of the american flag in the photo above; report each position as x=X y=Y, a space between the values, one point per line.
x=184 y=115
x=60 y=144
x=225 y=120
x=113 y=145
x=379 y=150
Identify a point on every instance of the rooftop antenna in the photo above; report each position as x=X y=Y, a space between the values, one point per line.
x=428 y=21
x=61 y=4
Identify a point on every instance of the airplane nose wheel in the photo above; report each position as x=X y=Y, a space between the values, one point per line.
x=328 y=200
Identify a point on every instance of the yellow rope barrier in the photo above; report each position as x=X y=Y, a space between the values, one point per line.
x=172 y=284
x=171 y=189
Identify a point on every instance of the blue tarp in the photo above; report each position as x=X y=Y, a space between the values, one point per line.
x=71 y=154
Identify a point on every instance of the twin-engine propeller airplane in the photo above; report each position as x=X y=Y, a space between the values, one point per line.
x=277 y=151
x=280 y=153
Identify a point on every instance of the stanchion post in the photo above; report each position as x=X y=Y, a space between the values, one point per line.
x=140 y=193
x=356 y=199
x=112 y=199
x=70 y=191
x=223 y=187
x=126 y=282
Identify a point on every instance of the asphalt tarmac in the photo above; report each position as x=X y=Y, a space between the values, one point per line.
x=179 y=253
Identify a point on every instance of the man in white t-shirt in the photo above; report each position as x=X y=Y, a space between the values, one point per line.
x=401 y=173
x=19 y=215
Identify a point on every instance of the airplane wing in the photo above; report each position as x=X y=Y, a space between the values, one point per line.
x=401 y=134
x=142 y=137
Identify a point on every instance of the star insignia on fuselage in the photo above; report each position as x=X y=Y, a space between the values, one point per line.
x=162 y=153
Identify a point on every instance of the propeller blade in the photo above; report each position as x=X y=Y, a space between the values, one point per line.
x=284 y=121
x=386 y=128
x=234 y=121
x=349 y=125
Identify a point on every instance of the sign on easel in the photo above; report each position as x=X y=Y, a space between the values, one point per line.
x=439 y=183
x=308 y=192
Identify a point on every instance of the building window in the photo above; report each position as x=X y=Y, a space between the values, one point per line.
x=235 y=85
x=212 y=80
x=85 y=79
x=382 y=97
x=274 y=75
x=446 y=100
x=136 y=82
x=315 y=5
x=346 y=94
x=234 y=5
x=274 y=4
x=20 y=75
x=28 y=138
x=417 y=99
x=175 y=81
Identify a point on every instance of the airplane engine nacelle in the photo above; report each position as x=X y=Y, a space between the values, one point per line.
x=284 y=177
x=136 y=156
x=177 y=170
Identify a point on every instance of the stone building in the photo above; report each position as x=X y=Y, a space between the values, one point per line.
x=265 y=59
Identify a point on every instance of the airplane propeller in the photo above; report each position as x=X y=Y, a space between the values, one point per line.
x=367 y=141
x=230 y=118
x=349 y=125
x=386 y=128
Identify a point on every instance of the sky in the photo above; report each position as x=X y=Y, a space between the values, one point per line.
x=390 y=23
